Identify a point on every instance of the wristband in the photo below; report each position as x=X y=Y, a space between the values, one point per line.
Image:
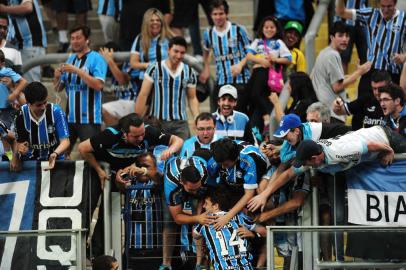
x=145 y=171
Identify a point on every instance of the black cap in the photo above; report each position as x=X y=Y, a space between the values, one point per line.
x=305 y=151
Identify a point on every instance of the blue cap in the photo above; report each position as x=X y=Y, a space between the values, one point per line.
x=288 y=121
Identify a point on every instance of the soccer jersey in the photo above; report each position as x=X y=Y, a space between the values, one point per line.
x=250 y=166
x=128 y=91
x=169 y=95
x=236 y=127
x=174 y=192
x=229 y=48
x=3 y=133
x=227 y=249
x=370 y=108
x=145 y=208
x=4 y=90
x=192 y=144
x=272 y=47
x=158 y=51
x=109 y=146
x=29 y=28
x=384 y=37
x=84 y=103
x=43 y=135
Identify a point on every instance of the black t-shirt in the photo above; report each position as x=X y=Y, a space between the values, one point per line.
x=332 y=130
x=370 y=108
x=109 y=146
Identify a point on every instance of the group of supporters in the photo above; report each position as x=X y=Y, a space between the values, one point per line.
x=223 y=185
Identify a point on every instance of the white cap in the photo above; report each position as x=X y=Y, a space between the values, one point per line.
x=228 y=90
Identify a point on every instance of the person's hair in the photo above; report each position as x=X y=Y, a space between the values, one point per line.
x=190 y=174
x=381 y=76
x=279 y=28
x=112 y=45
x=178 y=40
x=152 y=121
x=322 y=109
x=131 y=119
x=225 y=149
x=146 y=35
x=395 y=91
x=302 y=87
x=4 y=17
x=103 y=262
x=203 y=153
x=35 y=92
x=219 y=4
x=2 y=57
x=204 y=116
x=144 y=155
x=81 y=27
x=220 y=197
x=339 y=27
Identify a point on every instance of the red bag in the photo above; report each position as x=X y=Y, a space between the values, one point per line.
x=275 y=80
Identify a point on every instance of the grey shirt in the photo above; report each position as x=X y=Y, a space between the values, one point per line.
x=326 y=71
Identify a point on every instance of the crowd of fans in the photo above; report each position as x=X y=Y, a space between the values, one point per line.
x=227 y=182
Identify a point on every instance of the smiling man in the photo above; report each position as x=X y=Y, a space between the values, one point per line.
x=328 y=76
x=171 y=81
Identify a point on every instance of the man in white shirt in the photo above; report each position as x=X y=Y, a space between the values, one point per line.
x=13 y=56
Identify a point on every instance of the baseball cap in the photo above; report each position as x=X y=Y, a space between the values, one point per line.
x=288 y=121
x=294 y=25
x=228 y=90
x=305 y=150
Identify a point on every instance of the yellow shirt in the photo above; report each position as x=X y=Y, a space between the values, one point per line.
x=298 y=61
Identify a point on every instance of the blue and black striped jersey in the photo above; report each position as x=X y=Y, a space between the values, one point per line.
x=84 y=103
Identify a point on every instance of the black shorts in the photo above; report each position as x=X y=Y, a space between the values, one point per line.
x=185 y=12
x=72 y=6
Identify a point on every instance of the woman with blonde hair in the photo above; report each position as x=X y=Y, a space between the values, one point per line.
x=151 y=45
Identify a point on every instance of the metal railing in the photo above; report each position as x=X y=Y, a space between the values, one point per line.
x=78 y=244
x=314 y=230
x=310 y=37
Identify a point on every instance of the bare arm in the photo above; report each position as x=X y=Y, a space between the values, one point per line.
x=24 y=8
x=21 y=84
x=86 y=150
x=135 y=62
x=62 y=147
x=221 y=221
x=141 y=103
x=182 y=218
x=340 y=86
x=193 y=102
x=121 y=77
x=277 y=106
x=342 y=11
x=403 y=79
x=287 y=207
x=205 y=74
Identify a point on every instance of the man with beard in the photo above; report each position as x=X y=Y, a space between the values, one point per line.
x=83 y=77
x=328 y=76
x=230 y=123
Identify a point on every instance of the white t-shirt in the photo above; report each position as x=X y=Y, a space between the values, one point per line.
x=12 y=54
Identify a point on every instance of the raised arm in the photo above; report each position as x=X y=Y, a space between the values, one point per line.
x=342 y=11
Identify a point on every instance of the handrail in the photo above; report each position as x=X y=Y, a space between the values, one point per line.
x=310 y=50
x=58 y=232
x=55 y=58
x=325 y=265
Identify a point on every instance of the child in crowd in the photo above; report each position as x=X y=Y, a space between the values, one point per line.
x=267 y=51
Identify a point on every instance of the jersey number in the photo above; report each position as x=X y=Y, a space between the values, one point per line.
x=235 y=240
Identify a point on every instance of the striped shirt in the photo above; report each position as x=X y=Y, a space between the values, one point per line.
x=227 y=249
x=43 y=135
x=29 y=28
x=193 y=143
x=229 y=48
x=128 y=91
x=110 y=8
x=157 y=52
x=174 y=192
x=84 y=103
x=384 y=38
x=169 y=96
x=145 y=208
x=352 y=4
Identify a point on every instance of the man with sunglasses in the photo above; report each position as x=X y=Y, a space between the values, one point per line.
x=41 y=128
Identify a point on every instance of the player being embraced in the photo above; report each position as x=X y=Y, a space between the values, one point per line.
x=228 y=246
